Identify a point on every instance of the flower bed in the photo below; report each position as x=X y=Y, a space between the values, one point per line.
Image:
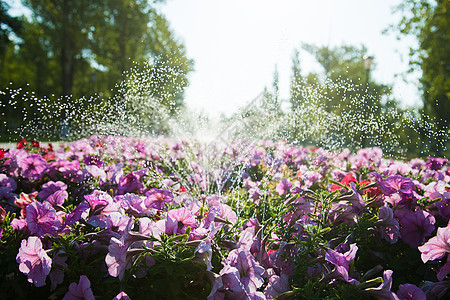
x=120 y=218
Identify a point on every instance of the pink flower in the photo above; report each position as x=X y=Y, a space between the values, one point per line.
x=80 y=291
x=178 y=220
x=283 y=187
x=33 y=166
x=42 y=218
x=156 y=198
x=437 y=246
x=34 y=261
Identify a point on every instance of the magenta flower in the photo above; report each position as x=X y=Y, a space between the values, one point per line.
x=33 y=166
x=410 y=292
x=42 y=218
x=156 y=198
x=34 y=261
x=178 y=220
x=341 y=261
x=415 y=226
x=80 y=291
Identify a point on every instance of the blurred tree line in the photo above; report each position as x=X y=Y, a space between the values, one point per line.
x=363 y=111
x=69 y=50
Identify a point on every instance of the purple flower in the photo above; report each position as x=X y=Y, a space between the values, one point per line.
x=178 y=220
x=410 y=292
x=415 y=226
x=396 y=184
x=133 y=204
x=156 y=198
x=33 y=166
x=80 y=291
x=249 y=270
x=91 y=160
x=7 y=186
x=436 y=163
x=444 y=205
x=389 y=227
x=342 y=262
x=277 y=285
x=50 y=188
x=75 y=215
x=57 y=273
x=34 y=261
x=42 y=218
x=283 y=186
x=131 y=182
x=119 y=257
x=384 y=290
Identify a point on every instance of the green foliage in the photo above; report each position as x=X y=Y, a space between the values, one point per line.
x=76 y=53
x=429 y=22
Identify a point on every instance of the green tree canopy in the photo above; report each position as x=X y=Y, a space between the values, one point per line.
x=429 y=22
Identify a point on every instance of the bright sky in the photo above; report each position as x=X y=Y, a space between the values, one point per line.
x=237 y=43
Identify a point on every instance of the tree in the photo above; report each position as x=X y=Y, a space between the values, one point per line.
x=429 y=22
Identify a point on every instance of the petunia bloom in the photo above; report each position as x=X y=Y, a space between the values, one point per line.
x=156 y=198
x=389 y=228
x=410 y=292
x=178 y=220
x=34 y=261
x=437 y=246
x=80 y=291
x=42 y=218
x=415 y=226
x=341 y=261
x=33 y=166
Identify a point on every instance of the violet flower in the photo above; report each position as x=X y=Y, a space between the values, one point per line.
x=277 y=285
x=415 y=226
x=410 y=292
x=250 y=271
x=341 y=261
x=42 y=218
x=131 y=182
x=33 y=166
x=383 y=292
x=389 y=228
x=51 y=187
x=80 y=291
x=34 y=261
